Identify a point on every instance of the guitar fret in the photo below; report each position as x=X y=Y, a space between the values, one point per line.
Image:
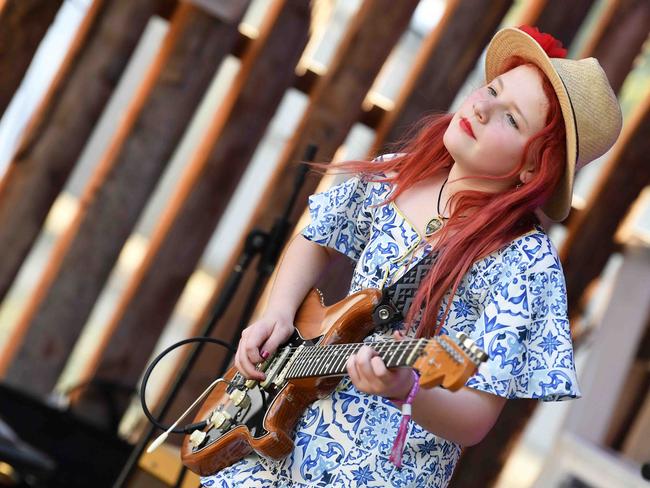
x=339 y=358
x=331 y=359
x=339 y=365
x=345 y=355
x=307 y=361
x=414 y=353
x=384 y=350
x=319 y=364
x=389 y=354
x=405 y=349
x=311 y=369
x=317 y=367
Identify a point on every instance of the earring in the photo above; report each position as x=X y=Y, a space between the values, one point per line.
x=518 y=185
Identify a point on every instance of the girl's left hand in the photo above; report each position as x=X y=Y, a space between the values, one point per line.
x=370 y=375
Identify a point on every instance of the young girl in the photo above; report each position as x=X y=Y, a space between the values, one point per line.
x=448 y=226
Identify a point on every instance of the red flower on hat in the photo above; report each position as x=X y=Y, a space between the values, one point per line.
x=550 y=44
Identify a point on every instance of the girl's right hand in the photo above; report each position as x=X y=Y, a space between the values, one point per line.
x=259 y=340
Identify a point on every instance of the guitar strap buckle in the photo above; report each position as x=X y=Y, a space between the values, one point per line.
x=386 y=312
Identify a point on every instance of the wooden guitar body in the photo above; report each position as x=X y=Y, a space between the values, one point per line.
x=347 y=321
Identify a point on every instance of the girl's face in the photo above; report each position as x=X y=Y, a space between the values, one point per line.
x=488 y=133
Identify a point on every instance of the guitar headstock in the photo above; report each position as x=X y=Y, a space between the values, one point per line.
x=449 y=362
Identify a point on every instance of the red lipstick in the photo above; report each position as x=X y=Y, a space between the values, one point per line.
x=467 y=127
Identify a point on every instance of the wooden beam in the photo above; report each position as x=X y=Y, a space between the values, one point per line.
x=63 y=122
x=636 y=445
x=151 y=129
x=613 y=348
x=563 y=19
x=204 y=191
x=446 y=57
x=619 y=40
x=23 y=24
x=620 y=183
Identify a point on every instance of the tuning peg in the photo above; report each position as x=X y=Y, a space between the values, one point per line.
x=471 y=348
x=479 y=353
x=464 y=341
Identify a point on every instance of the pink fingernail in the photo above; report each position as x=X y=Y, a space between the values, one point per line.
x=264 y=354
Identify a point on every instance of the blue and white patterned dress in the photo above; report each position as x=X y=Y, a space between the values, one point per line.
x=512 y=303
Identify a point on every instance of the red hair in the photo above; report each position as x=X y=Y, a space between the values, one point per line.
x=496 y=218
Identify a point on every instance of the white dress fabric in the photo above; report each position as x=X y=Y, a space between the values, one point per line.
x=512 y=303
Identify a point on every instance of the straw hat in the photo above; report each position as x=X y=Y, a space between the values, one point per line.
x=592 y=115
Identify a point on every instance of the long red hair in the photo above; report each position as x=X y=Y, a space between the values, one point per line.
x=496 y=218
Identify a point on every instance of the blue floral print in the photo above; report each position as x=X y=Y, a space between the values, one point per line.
x=512 y=303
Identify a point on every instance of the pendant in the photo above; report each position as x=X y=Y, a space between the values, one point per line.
x=434 y=225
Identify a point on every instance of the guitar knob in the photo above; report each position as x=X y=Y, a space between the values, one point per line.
x=240 y=399
x=196 y=438
x=220 y=419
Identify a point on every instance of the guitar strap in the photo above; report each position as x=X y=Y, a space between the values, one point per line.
x=396 y=299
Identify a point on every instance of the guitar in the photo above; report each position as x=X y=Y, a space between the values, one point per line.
x=307 y=367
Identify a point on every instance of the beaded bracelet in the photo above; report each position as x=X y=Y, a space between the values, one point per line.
x=402 y=433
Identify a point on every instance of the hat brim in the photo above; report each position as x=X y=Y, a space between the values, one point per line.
x=510 y=42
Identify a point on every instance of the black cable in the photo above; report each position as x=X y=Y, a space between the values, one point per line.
x=188 y=428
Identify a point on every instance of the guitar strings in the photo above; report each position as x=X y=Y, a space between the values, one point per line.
x=324 y=346
x=312 y=356
x=321 y=351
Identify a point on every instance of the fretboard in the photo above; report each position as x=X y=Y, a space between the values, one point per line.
x=331 y=359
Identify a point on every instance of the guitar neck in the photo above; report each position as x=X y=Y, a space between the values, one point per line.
x=330 y=360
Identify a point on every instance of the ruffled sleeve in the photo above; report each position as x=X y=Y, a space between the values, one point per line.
x=340 y=217
x=524 y=326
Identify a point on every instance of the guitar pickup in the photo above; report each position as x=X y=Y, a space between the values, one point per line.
x=275 y=366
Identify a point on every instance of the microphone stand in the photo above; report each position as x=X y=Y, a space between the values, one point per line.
x=269 y=245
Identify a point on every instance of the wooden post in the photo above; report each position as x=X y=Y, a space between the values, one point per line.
x=204 y=191
x=61 y=126
x=193 y=48
x=613 y=349
x=563 y=19
x=23 y=24
x=445 y=59
x=620 y=183
x=620 y=39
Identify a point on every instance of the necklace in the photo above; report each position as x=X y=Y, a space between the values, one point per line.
x=436 y=223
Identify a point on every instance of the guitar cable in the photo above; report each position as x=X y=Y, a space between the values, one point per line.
x=190 y=427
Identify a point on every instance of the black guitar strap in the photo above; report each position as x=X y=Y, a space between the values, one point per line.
x=396 y=299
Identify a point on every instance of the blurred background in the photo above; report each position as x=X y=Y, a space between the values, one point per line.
x=141 y=141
